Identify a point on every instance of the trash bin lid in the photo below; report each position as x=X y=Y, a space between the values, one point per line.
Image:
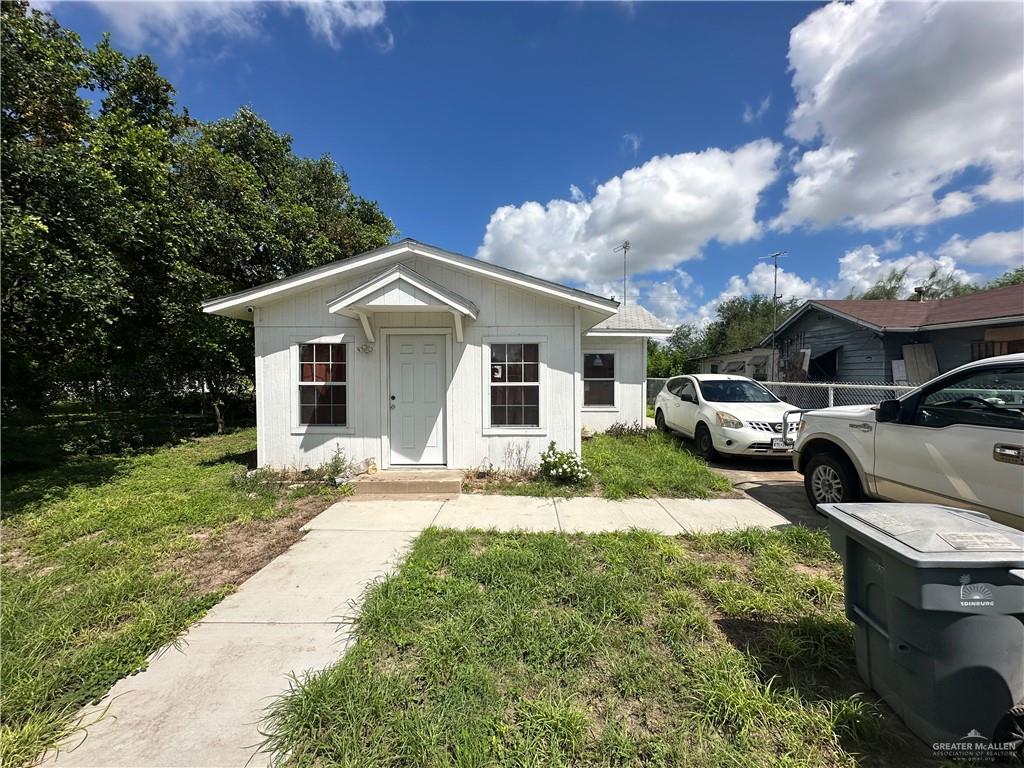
x=932 y=535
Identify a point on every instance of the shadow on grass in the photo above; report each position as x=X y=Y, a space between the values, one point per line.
x=245 y=458
x=813 y=656
x=22 y=490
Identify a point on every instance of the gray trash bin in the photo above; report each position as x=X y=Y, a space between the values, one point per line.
x=937 y=597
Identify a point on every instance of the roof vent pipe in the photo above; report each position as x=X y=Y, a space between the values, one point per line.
x=918 y=293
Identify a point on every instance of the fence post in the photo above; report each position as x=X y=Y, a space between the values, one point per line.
x=831 y=397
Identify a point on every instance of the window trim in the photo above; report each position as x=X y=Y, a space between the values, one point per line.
x=295 y=416
x=616 y=395
x=487 y=430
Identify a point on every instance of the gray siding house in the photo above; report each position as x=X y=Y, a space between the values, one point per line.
x=898 y=341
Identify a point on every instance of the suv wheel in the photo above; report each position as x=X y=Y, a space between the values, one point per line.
x=829 y=479
x=659 y=421
x=705 y=445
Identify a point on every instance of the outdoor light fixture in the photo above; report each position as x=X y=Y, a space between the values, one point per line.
x=366 y=348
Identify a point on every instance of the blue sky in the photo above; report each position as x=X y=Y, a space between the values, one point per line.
x=539 y=135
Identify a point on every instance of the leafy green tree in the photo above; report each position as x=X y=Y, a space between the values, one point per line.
x=118 y=220
x=888 y=287
x=1013 y=276
x=938 y=285
x=739 y=323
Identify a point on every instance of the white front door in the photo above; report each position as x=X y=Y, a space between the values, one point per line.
x=417 y=384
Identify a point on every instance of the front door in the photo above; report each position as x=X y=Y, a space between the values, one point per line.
x=416 y=397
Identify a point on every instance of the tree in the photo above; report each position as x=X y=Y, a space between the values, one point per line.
x=740 y=322
x=888 y=287
x=1013 y=276
x=938 y=285
x=119 y=219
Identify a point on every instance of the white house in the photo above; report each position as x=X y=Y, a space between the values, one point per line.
x=414 y=355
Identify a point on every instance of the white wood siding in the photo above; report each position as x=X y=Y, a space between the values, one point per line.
x=630 y=375
x=505 y=312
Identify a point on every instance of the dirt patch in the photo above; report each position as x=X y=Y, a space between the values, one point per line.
x=236 y=552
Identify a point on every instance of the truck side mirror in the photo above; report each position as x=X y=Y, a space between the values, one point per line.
x=888 y=410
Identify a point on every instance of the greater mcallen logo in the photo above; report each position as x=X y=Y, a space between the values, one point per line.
x=975 y=595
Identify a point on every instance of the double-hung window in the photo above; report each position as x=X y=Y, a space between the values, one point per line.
x=515 y=385
x=323 y=384
x=598 y=379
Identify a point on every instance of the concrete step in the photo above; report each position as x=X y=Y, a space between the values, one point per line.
x=400 y=482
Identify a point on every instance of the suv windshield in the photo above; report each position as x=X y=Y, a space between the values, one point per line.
x=735 y=391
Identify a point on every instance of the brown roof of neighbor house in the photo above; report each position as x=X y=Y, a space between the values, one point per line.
x=899 y=314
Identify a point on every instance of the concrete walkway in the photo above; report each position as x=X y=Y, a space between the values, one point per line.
x=200 y=704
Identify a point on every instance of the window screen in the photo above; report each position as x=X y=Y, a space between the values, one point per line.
x=323 y=390
x=598 y=378
x=515 y=385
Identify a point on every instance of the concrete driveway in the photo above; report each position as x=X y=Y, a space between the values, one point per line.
x=773 y=483
x=200 y=703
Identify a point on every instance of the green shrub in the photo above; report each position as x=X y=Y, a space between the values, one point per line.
x=562 y=466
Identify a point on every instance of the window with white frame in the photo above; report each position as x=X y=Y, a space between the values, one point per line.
x=515 y=385
x=323 y=385
x=598 y=379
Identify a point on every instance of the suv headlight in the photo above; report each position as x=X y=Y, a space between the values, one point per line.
x=728 y=420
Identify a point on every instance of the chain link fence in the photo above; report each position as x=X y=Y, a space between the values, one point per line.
x=816 y=394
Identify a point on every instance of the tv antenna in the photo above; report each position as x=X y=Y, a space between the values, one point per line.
x=626 y=245
x=775 y=302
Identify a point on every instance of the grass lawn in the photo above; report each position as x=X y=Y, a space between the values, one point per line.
x=651 y=464
x=614 y=649
x=106 y=559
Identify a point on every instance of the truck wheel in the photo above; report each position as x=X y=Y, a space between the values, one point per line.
x=705 y=445
x=659 y=421
x=829 y=479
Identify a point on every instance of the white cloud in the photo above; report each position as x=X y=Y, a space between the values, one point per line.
x=173 y=25
x=751 y=115
x=668 y=208
x=631 y=143
x=895 y=100
x=991 y=249
x=859 y=269
x=575 y=193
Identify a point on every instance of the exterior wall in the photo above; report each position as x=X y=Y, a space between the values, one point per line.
x=505 y=313
x=631 y=375
x=746 y=356
x=953 y=346
x=862 y=357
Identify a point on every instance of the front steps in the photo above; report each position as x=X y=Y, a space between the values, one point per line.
x=403 y=482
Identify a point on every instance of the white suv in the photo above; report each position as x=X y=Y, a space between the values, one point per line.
x=959 y=440
x=724 y=414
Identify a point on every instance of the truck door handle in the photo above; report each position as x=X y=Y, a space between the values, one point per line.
x=1010 y=454
x=863 y=427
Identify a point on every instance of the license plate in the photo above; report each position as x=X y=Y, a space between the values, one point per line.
x=779 y=444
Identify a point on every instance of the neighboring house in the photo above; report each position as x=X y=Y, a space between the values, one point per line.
x=898 y=341
x=753 y=362
x=413 y=355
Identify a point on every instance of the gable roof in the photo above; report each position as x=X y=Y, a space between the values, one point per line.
x=630 y=320
x=236 y=304
x=403 y=274
x=999 y=305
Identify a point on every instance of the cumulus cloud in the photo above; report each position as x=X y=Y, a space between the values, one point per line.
x=631 y=143
x=173 y=25
x=1004 y=249
x=894 y=102
x=751 y=115
x=668 y=208
x=859 y=269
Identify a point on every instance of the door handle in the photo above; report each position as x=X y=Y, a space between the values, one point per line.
x=1009 y=454
x=862 y=426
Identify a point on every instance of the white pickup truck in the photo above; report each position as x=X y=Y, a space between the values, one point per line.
x=957 y=440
